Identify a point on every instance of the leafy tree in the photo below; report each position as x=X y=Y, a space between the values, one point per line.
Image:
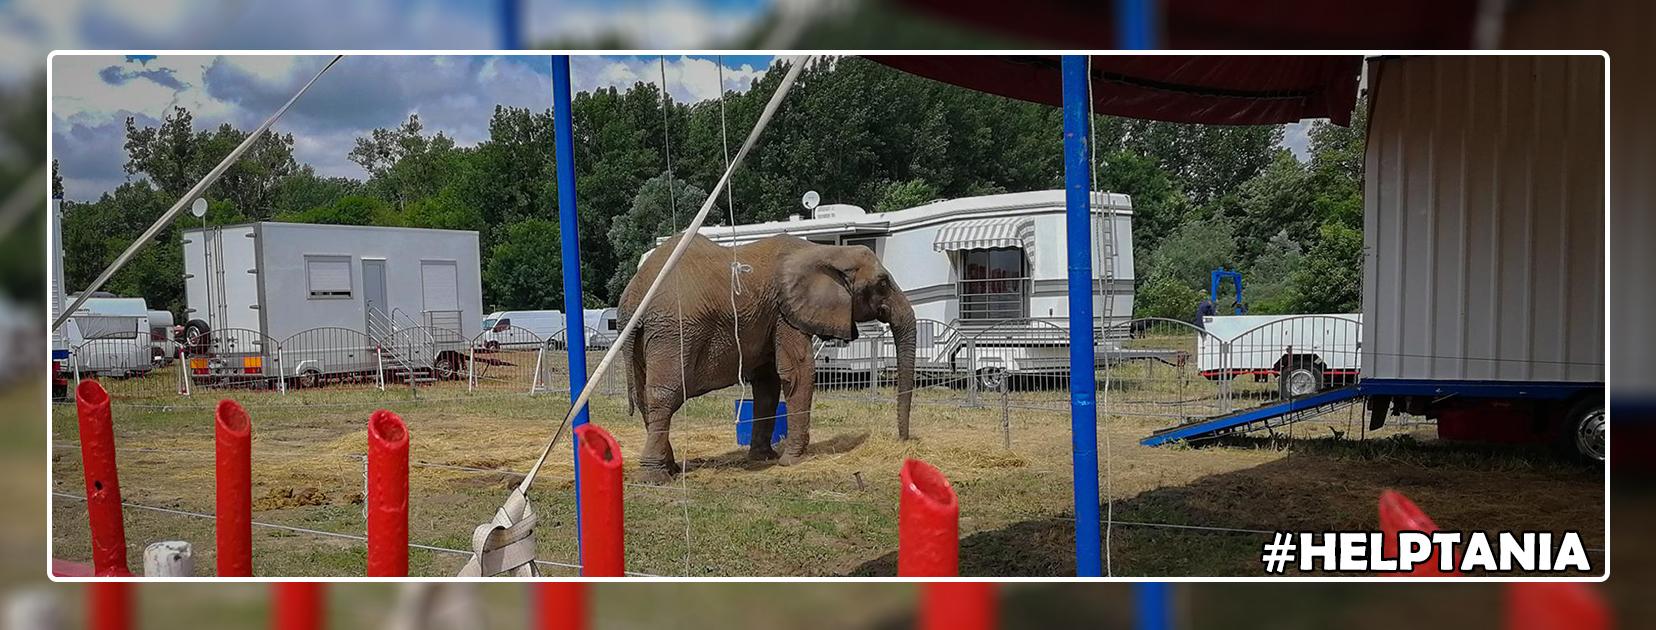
x=403 y=163
x=174 y=157
x=1277 y=201
x=351 y=210
x=1269 y=278
x=304 y=189
x=650 y=216
x=523 y=269
x=1330 y=281
x=1193 y=251
x=445 y=210
x=1165 y=296
x=900 y=195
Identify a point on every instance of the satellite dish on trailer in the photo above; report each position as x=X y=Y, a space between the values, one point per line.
x=198 y=207
x=811 y=199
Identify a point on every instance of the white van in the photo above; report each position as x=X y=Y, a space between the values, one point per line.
x=505 y=328
x=601 y=328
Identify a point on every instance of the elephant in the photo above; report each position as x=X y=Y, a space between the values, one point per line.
x=785 y=290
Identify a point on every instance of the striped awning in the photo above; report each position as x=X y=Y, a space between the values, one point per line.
x=986 y=234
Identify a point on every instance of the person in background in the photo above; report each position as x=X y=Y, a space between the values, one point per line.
x=1204 y=309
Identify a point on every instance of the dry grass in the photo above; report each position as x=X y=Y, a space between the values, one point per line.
x=835 y=514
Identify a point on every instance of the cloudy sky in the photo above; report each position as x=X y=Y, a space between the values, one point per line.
x=92 y=96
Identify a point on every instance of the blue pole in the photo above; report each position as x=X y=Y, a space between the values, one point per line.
x=1135 y=24
x=574 y=317
x=511 y=24
x=1153 y=605
x=1078 y=230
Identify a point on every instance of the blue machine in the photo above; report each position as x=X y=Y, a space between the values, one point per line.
x=744 y=422
x=1217 y=279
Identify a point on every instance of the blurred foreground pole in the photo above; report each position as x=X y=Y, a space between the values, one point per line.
x=561 y=606
x=511 y=24
x=296 y=606
x=1558 y=606
x=387 y=495
x=1152 y=606
x=602 y=527
x=233 y=456
x=1078 y=230
x=1399 y=514
x=109 y=606
x=1136 y=26
x=563 y=124
x=958 y=606
x=103 y=488
x=928 y=523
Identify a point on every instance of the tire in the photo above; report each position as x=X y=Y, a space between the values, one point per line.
x=990 y=379
x=1299 y=380
x=1583 y=438
x=492 y=346
x=447 y=367
x=308 y=379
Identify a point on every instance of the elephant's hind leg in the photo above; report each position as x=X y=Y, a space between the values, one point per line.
x=658 y=463
x=767 y=389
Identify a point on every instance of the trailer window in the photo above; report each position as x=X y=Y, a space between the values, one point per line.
x=994 y=284
x=871 y=242
x=328 y=277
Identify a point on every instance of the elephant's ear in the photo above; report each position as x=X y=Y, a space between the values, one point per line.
x=815 y=297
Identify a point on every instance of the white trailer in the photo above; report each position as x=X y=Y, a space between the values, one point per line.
x=308 y=302
x=1306 y=353
x=989 y=270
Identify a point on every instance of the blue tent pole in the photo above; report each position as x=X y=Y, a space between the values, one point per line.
x=1135 y=24
x=1153 y=606
x=1078 y=230
x=511 y=24
x=574 y=317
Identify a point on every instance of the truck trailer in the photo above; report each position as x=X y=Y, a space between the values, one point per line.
x=306 y=303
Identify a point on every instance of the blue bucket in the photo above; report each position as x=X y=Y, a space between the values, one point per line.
x=744 y=422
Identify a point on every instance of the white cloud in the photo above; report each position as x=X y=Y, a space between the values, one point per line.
x=1296 y=136
x=689 y=79
x=662 y=24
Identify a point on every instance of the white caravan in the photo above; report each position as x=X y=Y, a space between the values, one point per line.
x=335 y=300
x=992 y=270
x=110 y=336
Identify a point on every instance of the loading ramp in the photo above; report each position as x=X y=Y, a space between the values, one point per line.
x=1267 y=416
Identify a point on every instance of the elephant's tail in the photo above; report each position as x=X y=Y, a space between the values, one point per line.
x=635 y=378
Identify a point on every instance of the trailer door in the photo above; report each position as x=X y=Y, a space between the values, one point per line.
x=376 y=309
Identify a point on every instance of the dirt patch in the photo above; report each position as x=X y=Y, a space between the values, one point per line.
x=281 y=498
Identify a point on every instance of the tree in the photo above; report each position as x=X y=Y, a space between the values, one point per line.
x=350 y=210
x=1277 y=201
x=1165 y=296
x=404 y=164
x=174 y=157
x=1330 y=281
x=445 y=210
x=900 y=195
x=1268 y=280
x=523 y=270
x=1193 y=251
x=650 y=216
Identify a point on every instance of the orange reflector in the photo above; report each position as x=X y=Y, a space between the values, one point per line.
x=253 y=362
x=198 y=364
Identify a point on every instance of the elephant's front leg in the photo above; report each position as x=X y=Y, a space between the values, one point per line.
x=658 y=463
x=796 y=369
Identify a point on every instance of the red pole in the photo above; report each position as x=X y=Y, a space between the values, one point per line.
x=109 y=606
x=1399 y=514
x=958 y=606
x=297 y=606
x=603 y=552
x=561 y=605
x=103 y=488
x=387 y=495
x=1555 y=606
x=233 y=436
x=928 y=523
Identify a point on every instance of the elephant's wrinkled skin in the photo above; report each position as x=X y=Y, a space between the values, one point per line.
x=790 y=290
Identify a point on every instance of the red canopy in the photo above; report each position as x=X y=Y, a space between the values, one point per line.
x=1215 y=90
x=1227 y=24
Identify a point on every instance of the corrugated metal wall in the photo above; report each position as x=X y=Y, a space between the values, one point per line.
x=1484 y=219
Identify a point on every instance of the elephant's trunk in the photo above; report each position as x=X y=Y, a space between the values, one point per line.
x=900 y=315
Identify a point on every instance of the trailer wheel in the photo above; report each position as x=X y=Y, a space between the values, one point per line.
x=448 y=366
x=1583 y=436
x=309 y=378
x=990 y=379
x=1300 y=379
